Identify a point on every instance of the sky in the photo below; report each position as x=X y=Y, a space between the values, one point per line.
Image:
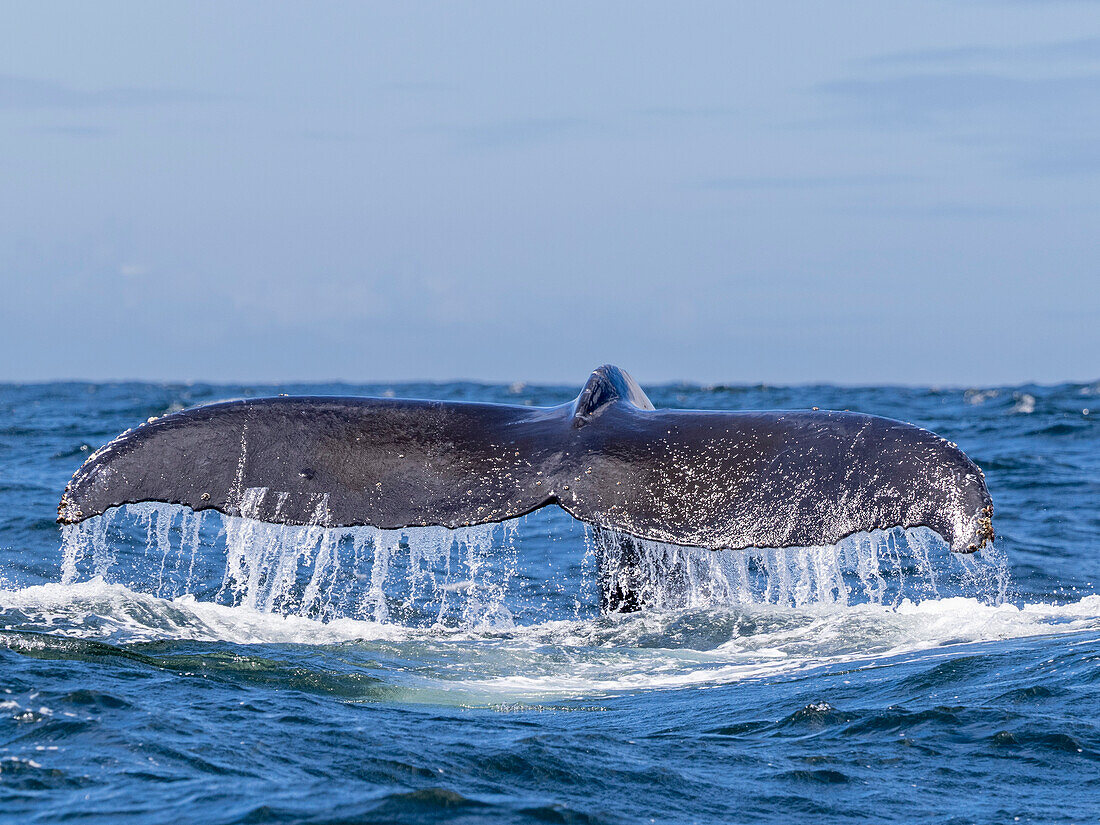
x=761 y=191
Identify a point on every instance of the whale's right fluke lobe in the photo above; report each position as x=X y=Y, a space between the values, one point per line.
x=776 y=479
x=709 y=479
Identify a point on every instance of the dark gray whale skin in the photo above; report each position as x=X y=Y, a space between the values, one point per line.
x=706 y=479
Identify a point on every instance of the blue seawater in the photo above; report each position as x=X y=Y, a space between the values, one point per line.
x=159 y=667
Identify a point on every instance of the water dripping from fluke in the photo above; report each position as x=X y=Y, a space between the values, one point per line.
x=883 y=567
x=417 y=576
x=480 y=577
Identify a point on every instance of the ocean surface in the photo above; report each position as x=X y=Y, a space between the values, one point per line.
x=161 y=667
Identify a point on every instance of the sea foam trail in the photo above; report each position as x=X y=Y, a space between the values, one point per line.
x=480 y=576
x=653 y=649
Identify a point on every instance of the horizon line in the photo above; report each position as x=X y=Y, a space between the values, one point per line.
x=678 y=382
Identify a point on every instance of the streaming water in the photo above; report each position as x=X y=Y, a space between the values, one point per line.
x=434 y=576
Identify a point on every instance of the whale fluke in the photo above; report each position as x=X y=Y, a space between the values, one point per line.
x=698 y=478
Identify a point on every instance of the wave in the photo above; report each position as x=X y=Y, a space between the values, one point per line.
x=654 y=649
x=96 y=609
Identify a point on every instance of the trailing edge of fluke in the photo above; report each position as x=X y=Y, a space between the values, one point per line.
x=697 y=478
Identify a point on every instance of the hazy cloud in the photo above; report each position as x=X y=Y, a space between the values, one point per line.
x=419 y=87
x=520 y=132
x=27 y=93
x=917 y=96
x=943 y=211
x=1039 y=125
x=73 y=131
x=1073 y=50
x=1066 y=157
x=692 y=112
x=747 y=182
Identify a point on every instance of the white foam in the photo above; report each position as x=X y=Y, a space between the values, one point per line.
x=656 y=649
x=111 y=612
x=799 y=640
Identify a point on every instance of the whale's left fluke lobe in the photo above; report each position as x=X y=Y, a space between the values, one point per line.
x=709 y=479
x=328 y=461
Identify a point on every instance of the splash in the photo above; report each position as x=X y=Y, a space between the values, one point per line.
x=418 y=576
x=883 y=567
x=479 y=577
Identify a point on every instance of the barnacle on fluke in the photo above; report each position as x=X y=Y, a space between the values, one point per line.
x=700 y=478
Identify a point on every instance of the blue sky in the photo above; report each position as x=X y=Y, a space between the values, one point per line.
x=775 y=191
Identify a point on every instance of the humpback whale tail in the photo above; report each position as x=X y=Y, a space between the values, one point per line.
x=699 y=478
